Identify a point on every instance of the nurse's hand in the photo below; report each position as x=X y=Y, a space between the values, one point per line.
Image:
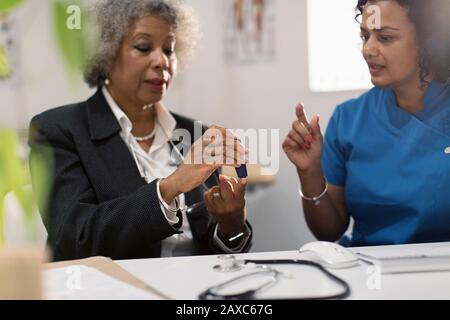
x=304 y=142
x=218 y=146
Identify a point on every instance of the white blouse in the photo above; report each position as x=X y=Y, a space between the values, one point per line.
x=156 y=165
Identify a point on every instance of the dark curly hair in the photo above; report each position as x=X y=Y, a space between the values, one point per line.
x=432 y=21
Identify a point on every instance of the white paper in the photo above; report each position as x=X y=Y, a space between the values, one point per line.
x=409 y=258
x=85 y=283
x=425 y=250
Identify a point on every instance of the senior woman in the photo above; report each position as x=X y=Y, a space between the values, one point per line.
x=121 y=186
x=385 y=158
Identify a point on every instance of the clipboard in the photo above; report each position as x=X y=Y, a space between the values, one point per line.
x=110 y=268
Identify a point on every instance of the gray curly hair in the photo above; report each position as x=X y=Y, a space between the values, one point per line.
x=114 y=18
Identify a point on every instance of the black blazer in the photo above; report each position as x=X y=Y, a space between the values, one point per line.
x=99 y=204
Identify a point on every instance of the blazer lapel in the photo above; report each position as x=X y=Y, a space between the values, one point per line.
x=105 y=135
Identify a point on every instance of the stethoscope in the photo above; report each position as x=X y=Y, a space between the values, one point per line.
x=228 y=263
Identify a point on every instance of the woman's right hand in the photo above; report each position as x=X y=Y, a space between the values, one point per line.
x=304 y=143
x=217 y=147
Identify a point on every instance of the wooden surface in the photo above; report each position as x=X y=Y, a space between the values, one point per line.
x=20 y=274
x=254 y=175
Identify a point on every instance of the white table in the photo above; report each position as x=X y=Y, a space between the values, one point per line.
x=186 y=277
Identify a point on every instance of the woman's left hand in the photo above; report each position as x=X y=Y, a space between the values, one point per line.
x=226 y=203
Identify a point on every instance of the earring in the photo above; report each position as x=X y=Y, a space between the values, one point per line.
x=107 y=82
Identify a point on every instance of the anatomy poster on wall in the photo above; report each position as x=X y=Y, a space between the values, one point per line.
x=249 y=31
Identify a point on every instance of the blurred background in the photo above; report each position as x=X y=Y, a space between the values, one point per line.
x=256 y=61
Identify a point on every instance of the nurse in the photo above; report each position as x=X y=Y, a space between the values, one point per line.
x=385 y=157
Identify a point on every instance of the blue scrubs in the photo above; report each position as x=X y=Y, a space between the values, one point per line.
x=393 y=166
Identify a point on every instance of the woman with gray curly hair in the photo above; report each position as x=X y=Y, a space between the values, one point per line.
x=122 y=186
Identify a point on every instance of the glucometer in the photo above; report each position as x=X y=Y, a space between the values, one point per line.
x=242 y=171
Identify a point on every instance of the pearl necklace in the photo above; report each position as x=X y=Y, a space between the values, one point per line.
x=151 y=134
x=147 y=137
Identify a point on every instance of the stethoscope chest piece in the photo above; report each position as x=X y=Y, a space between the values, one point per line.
x=227 y=263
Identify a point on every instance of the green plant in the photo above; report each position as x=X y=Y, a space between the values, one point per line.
x=74 y=44
x=5 y=70
x=15 y=176
x=7 y=5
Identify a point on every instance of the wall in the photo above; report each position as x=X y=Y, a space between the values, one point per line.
x=253 y=96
